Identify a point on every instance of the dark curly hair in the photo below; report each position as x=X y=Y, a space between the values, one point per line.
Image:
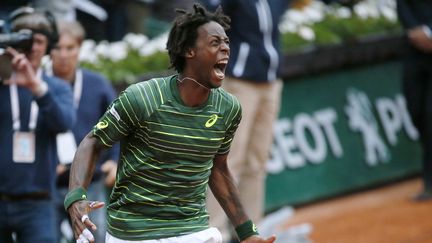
x=184 y=33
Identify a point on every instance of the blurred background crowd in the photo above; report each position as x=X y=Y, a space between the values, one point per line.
x=126 y=33
x=105 y=45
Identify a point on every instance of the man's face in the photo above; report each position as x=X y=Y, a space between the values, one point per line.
x=65 y=56
x=39 y=48
x=212 y=53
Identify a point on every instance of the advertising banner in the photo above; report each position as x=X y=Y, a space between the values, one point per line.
x=339 y=132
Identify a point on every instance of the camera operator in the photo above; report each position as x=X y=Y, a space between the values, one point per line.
x=33 y=109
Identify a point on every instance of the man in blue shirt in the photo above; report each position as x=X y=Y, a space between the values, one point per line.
x=33 y=109
x=92 y=96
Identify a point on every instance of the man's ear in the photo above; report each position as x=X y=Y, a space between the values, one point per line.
x=190 y=53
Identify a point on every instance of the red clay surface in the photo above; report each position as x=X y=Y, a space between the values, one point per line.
x=380 y=215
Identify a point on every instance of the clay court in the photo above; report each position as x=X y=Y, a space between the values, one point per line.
x=381 y=215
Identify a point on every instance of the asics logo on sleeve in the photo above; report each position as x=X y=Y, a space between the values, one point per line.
x=102 y=125
x=254 y=228
x=210 y=122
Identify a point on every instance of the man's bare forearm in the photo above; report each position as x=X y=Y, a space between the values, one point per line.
x=224 y=189
x=84 y=162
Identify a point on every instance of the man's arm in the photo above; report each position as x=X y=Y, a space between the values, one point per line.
x=109 y=166
x=56 y=101
x=224 y=189
x=82 y=170
x=84 y=162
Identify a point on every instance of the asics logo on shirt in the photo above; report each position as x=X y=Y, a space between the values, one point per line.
x=102 y=125
x=210 y=122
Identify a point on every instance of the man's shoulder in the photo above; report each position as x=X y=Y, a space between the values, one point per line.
x=226 y=95
x=228 y=99
x=158 y=80
x=95 y=79
x=89 y=74
x=55 y=82
x=151 y=88
x=159 y=83
x=52 y=79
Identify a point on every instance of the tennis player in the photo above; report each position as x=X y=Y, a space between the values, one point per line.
x=175 y=134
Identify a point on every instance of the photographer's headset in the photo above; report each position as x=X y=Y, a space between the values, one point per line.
x=52 y=36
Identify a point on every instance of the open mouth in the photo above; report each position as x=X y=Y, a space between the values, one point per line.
x=219 y=68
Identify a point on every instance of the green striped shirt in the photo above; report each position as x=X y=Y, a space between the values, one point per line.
x=167 y=152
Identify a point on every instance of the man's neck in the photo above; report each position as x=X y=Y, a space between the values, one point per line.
x=191 y=91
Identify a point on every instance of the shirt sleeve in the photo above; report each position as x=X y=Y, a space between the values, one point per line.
x=235 y=117
x=120 y=119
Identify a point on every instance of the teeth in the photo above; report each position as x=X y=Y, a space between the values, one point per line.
x=222 y=62
x=219 y=74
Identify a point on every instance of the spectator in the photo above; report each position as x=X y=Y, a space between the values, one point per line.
x=175 y=134
x=162 y=15
x=416 y=18
x=92 y=95
x=253 y=77
x=33 y=110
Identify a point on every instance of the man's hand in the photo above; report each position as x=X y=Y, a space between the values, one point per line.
x=109 y=168
x=79 y=212
x=258 y=239
x=419 y=39
x=23 y=73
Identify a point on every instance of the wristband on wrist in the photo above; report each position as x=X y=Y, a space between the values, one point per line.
x=246 y=230
x=76 y=194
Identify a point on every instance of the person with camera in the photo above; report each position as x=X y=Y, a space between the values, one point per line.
x=33 y=109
